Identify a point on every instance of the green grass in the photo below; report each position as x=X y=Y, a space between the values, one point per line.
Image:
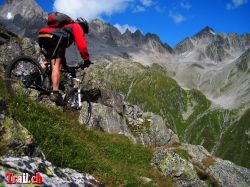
x=183 y=154
x=208 y=129
x=113 y=159
x=235 y=142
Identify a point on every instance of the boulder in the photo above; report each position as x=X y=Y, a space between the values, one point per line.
x=182 y=171
x=51 y=175
x=149 y=129
x=107 y=119
x=194 y=160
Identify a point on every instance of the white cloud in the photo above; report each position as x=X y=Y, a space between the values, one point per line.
x=158 y=8
x=90 y=9
x=123 y=28
x=139 y=8
x=146 y=3
x=235 y=4
x=177 y=17
x=186 y=5
x=142 y=5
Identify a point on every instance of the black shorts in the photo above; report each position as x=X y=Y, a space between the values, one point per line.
x=48 y=46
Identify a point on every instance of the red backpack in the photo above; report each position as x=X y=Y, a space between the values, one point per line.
x=58 y=20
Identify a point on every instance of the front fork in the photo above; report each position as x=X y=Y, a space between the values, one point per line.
x=78 y=81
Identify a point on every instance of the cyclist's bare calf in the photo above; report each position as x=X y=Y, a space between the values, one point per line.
x=56 y=67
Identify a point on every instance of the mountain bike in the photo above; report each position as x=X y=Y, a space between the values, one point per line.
x=24 y=76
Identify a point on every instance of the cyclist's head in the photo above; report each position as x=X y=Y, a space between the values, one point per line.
x=84 y=24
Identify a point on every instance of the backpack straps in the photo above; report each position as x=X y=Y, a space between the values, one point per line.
x=57 y=45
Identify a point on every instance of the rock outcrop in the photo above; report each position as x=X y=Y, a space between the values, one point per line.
x=191 y=165
x=51 y=175
x=12 y=46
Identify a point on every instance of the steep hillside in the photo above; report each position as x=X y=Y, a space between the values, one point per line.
x=229 y=86
x=221 y=74
x=113 y=159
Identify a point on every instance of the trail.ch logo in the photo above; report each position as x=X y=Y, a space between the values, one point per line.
x=24 y=178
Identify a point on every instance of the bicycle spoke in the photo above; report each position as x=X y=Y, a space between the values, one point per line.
x=22 y=76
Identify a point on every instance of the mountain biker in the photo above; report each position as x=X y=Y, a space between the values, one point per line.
x=54 y=40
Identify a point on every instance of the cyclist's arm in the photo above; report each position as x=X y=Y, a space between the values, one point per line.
x=81 y=42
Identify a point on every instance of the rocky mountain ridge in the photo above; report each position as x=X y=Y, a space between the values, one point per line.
x=217 y=48
x=106 y=41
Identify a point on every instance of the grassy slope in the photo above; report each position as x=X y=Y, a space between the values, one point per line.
x=235 y=143
x=111 y=158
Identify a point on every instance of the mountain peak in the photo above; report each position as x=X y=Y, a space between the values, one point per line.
x=28 y=9
x=206 y=31
x=127 y=32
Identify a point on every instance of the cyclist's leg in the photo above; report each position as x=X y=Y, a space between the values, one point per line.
x=56 y=68
x=56 y=71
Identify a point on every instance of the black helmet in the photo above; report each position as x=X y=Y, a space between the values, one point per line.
x=84 y=24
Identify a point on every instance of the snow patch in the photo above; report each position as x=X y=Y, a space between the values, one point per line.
x=9 y=15
x=226 y=102
x=212 y=32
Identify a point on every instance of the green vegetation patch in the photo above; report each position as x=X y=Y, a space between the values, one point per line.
x=235 y=143
x=183 y=154
x=208 y=127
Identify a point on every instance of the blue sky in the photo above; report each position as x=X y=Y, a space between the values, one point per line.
x=171 y=20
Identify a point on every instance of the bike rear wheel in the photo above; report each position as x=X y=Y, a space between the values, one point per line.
x=71 y=103
x=23 y=77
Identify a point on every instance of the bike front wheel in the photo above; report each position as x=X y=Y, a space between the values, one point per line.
x=23 y=76
x=72 y=103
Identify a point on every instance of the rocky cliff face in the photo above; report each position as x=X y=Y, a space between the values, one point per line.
x=24 y=17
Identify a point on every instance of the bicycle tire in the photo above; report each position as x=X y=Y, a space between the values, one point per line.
x=71 y=97
x=25 y=66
